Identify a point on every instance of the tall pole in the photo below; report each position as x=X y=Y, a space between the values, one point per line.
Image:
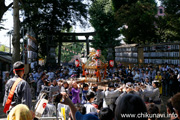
x=10 y=43
x=59 y=53
x=87 y=45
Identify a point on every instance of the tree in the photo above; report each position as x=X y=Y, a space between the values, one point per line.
x=172 y=15
x=2 y=48
x=136 y=19
x=16 y=33
x=162 y=29
x=102 y=19
x=3 y=8
x=48 y=18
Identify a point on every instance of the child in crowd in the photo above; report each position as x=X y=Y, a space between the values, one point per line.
x=89 y=107
x=84 y=93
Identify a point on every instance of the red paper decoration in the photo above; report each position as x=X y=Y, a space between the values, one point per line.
x=77 y=63
x=111 y=63
x=98 y=53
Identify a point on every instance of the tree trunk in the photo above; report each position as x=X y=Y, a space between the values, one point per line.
x=16 y=34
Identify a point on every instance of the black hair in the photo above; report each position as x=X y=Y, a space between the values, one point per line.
x=157 y=84
x=94 y=89
x=46 y=82
x=85 y=85
x=130 y=104
x=106 y=114
x=65 y=82
x=152 y=109
x=81 y=108
x=18 y=65
x=169 y=105
x=111 y=85
x=90 y=95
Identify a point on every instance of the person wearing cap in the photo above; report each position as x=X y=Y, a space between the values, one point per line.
x=22 y=93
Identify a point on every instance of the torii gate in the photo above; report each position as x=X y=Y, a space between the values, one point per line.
x=73 y=36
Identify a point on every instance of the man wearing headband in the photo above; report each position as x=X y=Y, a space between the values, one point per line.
x=22 y=92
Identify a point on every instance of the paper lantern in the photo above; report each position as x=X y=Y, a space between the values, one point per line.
x=111 y=63
x=98 y=53
x=98 y=62
x=77 y=63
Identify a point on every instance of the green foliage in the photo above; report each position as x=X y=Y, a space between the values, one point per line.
x=163 y=32
x=102 y=19
x=172 y=16
x=68 y=50
x=3 y=48
x=136 y=19
x=50 y=17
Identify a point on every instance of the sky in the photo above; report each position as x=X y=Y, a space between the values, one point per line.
x=8 y=24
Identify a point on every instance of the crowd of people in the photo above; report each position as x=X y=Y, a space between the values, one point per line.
x=168 y=76
x=136 y=90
